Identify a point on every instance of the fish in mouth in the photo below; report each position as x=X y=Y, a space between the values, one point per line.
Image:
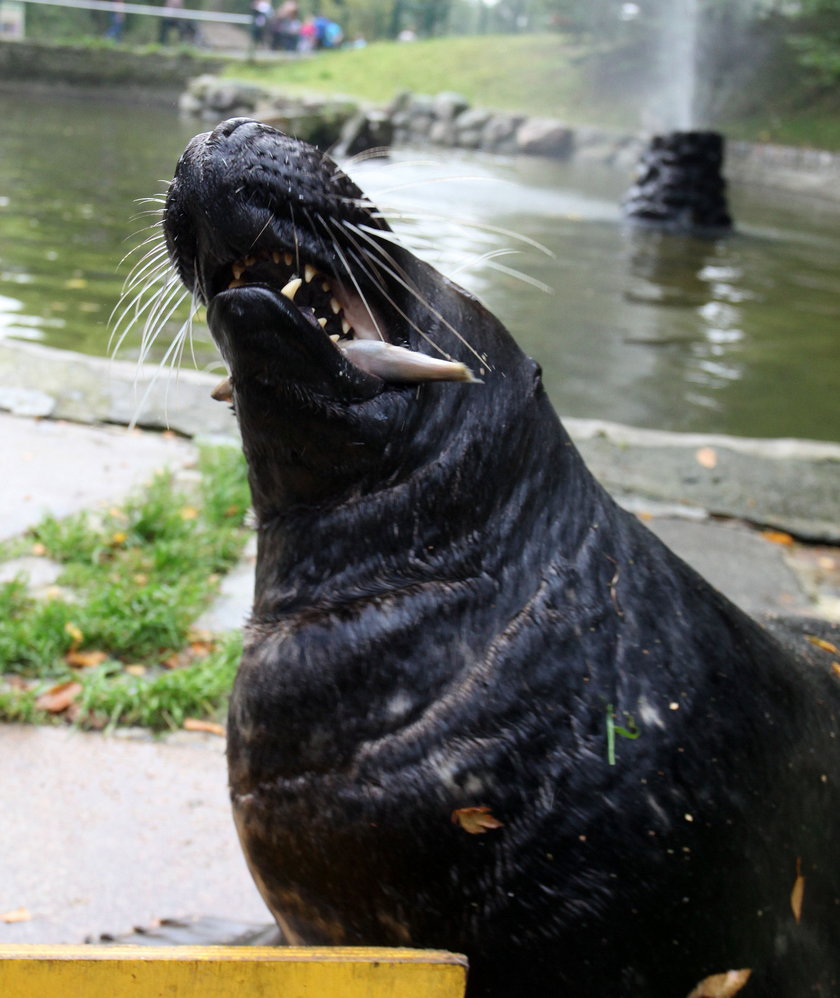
x=453 y=624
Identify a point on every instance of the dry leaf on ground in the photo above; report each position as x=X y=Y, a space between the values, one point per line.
x=778 y=537
x=85 y=659
x=210 y=727
x=18 y=915
x=59 y=698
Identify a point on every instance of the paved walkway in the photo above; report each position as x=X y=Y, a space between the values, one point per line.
x=99 y=834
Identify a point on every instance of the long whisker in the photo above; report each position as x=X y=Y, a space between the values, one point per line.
x=131 y=311
x=393 y=269
x=170 y=350
x=168 y=303
x=518 y=275
x=496 y=230
x=333 y=242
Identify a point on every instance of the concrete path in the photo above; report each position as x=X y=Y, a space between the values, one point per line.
x=99 y=834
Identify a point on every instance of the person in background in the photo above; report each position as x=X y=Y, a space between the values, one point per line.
x=285 y=28
x=308 y=35
x=168 y=24
x=261 y=13
x=117 y=21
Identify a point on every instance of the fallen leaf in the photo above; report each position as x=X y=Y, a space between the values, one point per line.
x=210 y=727
x=39 y=550
x=201 y=649
x=136 y=669
x=118 y=538
x=59 y=698
x=18 y=915
x=823 y=644
x=798 y=892
x=76 y=636
x=475 y=820
x=835 y=666
x=199 y=634
x=706 y=457
x=778 y=537
x=85 y=659
x=721 y=985
x=188 y=513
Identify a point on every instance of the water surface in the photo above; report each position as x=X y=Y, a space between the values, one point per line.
x=739 y=335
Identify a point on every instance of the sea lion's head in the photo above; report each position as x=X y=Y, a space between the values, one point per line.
x=349 y=358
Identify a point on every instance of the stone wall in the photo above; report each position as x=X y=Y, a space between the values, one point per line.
x=444 y=120
x=117 y=72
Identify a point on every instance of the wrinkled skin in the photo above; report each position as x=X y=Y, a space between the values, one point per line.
x=448 y=612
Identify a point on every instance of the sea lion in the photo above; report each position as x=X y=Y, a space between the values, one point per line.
x=480 y=707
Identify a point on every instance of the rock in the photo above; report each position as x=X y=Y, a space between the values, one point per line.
x=26 y=401
x=500 y=130
x=473 y=119
x=545 y=137
x=442 y=133
x=447 y=106
x=364 y=131
x=399 y=104
x=190 y=105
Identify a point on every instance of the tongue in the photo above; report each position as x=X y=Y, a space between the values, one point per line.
x=393 y=363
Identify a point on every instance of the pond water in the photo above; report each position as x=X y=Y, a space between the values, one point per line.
x=739 y=335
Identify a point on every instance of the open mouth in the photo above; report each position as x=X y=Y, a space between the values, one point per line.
x=340 y=312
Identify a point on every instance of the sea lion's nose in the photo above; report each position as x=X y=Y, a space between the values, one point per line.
x=227 y=128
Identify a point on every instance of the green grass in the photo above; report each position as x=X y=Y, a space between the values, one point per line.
x=119 y=622
x=537 y=74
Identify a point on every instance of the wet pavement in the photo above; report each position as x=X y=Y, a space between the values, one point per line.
x=101 y=833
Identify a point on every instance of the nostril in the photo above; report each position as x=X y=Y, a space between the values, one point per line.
x=227 y=128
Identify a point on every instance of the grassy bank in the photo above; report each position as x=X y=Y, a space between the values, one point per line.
x=111 y=642
x=773 y=100
x=540 y=74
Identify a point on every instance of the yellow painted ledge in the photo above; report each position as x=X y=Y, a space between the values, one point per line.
x=228 y=972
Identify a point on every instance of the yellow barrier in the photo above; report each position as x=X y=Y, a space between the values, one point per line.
x=228 y=972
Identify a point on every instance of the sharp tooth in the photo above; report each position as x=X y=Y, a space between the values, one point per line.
x=275 y=256
x=236 y=284
x=325 y=287
x=288 y=259
x=322 y=323
x=309 y=272
x=335 y=305
x=249 y=261
x=334 y=337
x=345 y=327
x=238 y=270
x=292 y=288
x=223 y=392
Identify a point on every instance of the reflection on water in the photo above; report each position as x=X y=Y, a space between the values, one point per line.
x=738 y=335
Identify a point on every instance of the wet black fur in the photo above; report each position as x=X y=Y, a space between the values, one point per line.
x=449 y=610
